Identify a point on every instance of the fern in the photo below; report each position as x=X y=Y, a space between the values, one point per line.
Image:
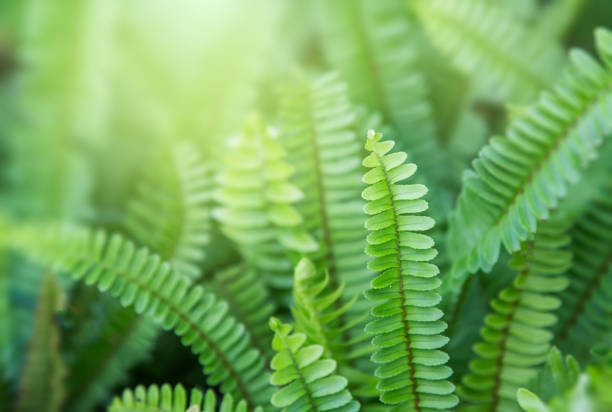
x=517 y=179
x=166 y=398
x=136 y=277
x=41 y=387
x=308 y=382
x=407 y=326
x=501 y=55
x=516 y=336
x=180 y=190
x=371 y=44
x=318 y=133
x=257 y=209
x=249 y=302
x=586 y=303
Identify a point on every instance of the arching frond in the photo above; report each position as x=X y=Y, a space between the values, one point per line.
x=257 y=204
x=166 y=398
x=516 y=335
x=518 y=178
x=170 y=213
x=142 y=280
x=42 y=382
x=407 y=327
x=308 y=381
x=500 y=54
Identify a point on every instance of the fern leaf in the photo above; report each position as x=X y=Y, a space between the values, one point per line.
x=257 y=204
x=138 y=278
x=517 y=179
x=318 y=133
x=407 y=326
x=249 y=300
x=179 y=189
x=500 y=54
x=516 y=335
x=370 y=43
x=308 y=381
x=587 y=302
x=166 y=398
x=41 y=387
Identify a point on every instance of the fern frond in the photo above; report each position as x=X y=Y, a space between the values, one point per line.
x=249 y=302
x=371 y=44
x=318 y=133
x=587 y=303
x=501 y=55
x=42 y=381
x=517 y=179
x=407 y=326
x=316 y=311
x=257 y=204
x=166 y=398
x=138 y=278
x=308 y=381
x=125 y=339
x=516 y=335
x=170 y=213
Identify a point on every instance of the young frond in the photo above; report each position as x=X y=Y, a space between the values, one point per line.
x=142 y=280
x=166 y=399
x=258 y=204
x=307 y=380
x=170 y=213
x=407 y=327
x=518 y=178
x=516 y=335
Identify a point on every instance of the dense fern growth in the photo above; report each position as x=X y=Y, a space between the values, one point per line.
x=408 y=326
x=196 y=315
x=308 y=381
x=257 y=204
x=518 y=178
x=197 y=194
x=584 y=317
x=166 y=398
x=42 y=384
x=516 y=335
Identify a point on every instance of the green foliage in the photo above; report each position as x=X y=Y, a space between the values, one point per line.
x=179 y=188
x=516 y=336
x=152 y=230
x=407 y=326
x=166 y=398
x=257 y=204
x=134 y=277
x=503 y=58
x=518 y=178
x=587 y=302
x=42 y=382
x=308 y=381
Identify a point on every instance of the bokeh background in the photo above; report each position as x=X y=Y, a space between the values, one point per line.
x=91 y=89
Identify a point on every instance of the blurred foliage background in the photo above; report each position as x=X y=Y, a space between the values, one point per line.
x=92 y=90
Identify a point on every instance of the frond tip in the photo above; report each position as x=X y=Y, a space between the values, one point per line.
x=308 y=382
x=407 y=326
